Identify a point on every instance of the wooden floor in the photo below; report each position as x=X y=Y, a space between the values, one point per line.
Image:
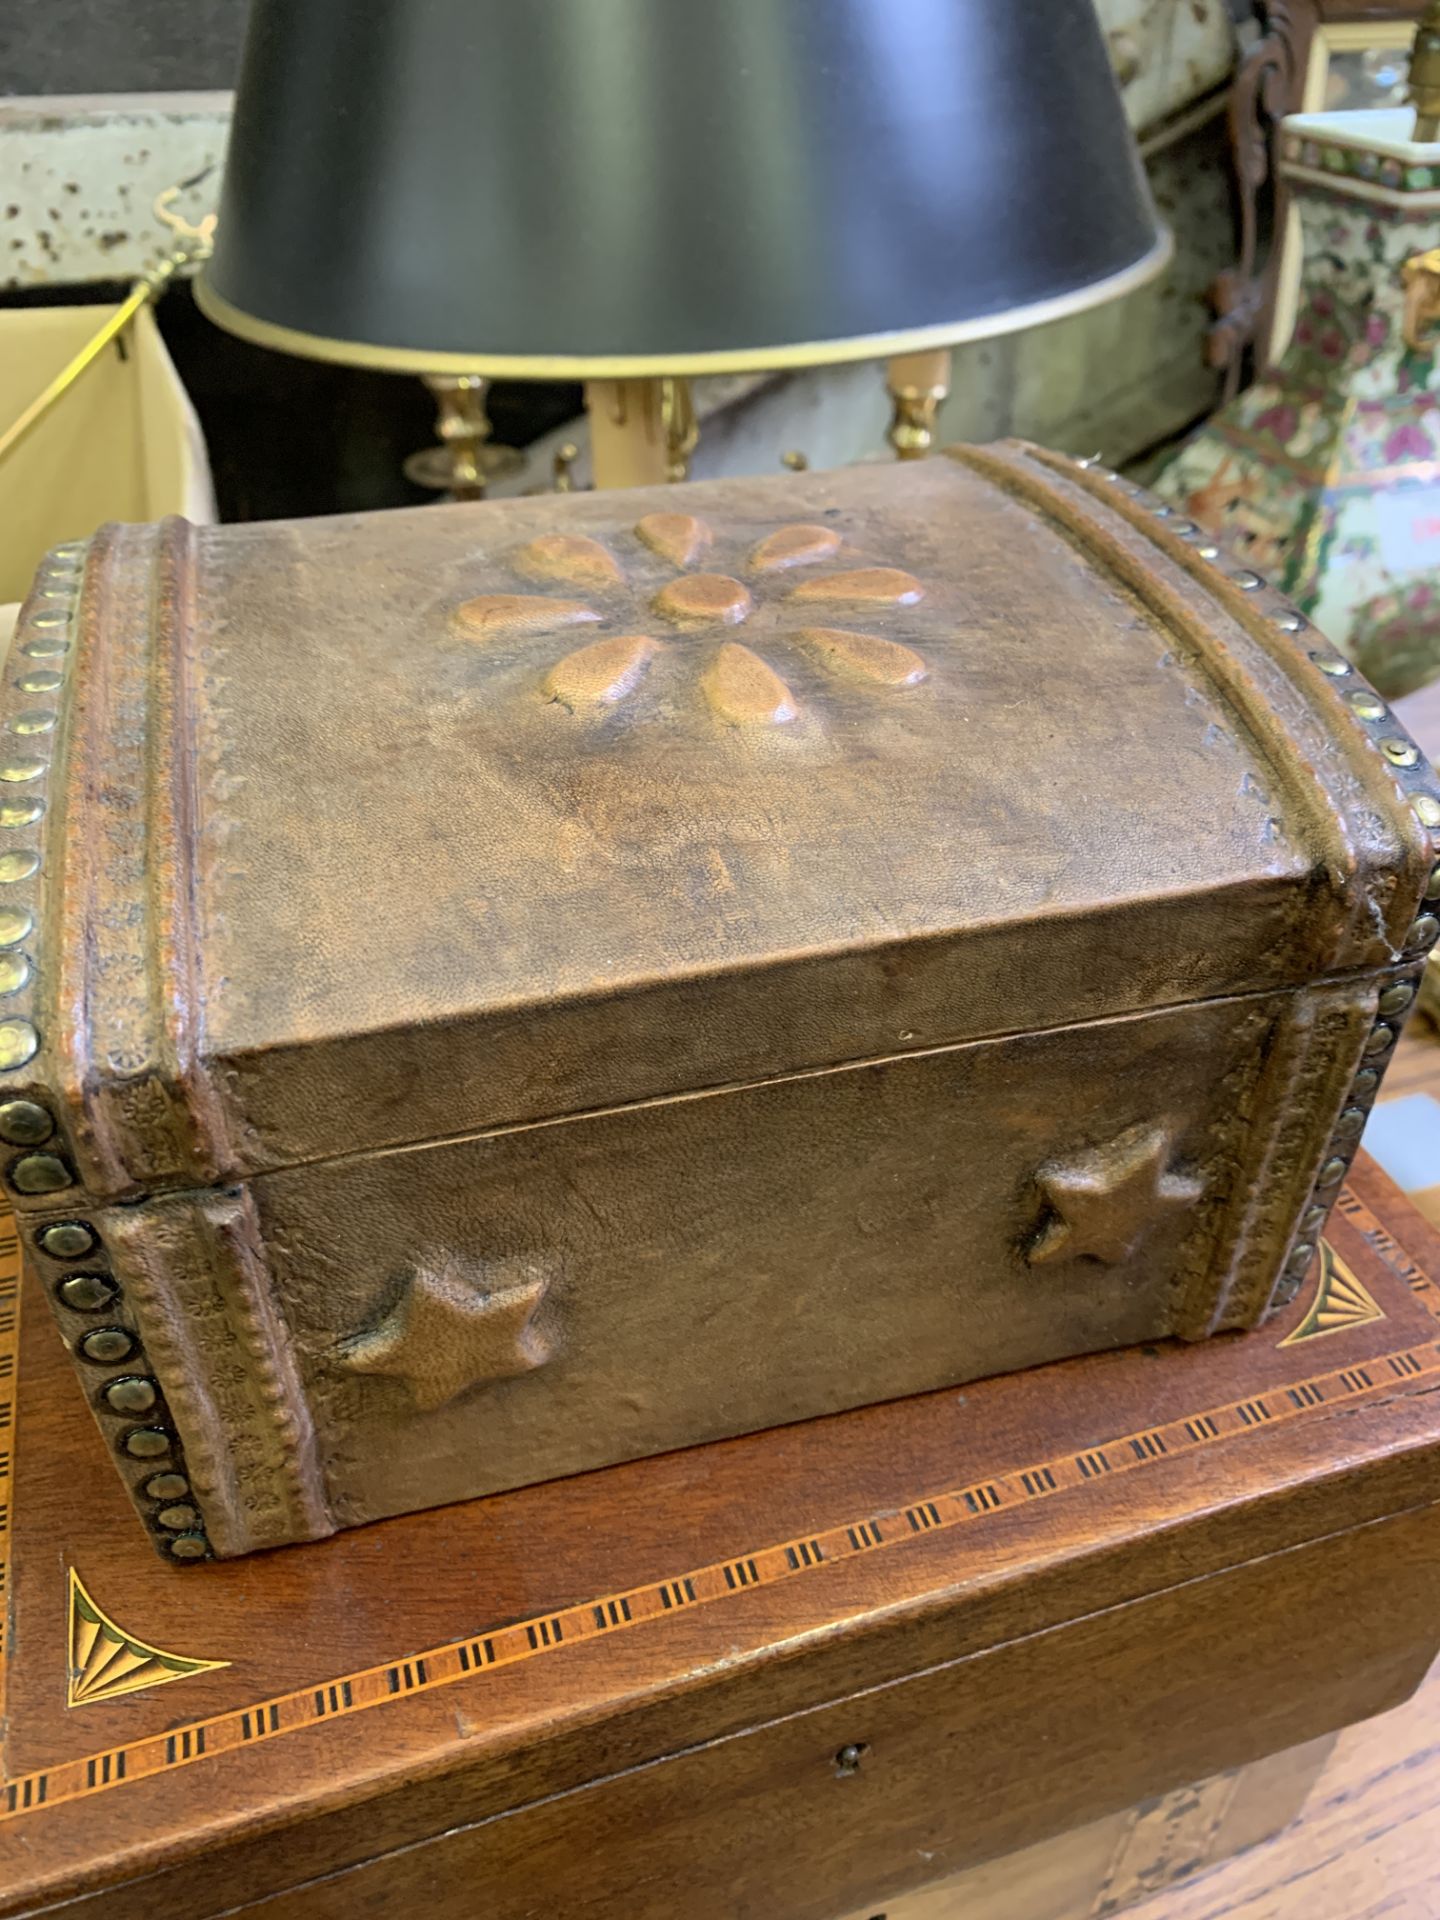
x=1368 y=1842
x=1366 y=1846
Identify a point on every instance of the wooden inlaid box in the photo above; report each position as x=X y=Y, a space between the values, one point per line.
x=497 y=991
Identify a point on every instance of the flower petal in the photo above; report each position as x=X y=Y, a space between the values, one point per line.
x=744 y=691
x=679 y=538
x=794 y=546
x=867 y=656
x=865 y=587
x=602 y=673
x=573 y=557
x=704 y=600
x=491 y=614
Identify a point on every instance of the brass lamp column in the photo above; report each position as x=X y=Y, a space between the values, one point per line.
x=659 y=191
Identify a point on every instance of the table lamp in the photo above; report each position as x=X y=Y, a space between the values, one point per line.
x=631 y=192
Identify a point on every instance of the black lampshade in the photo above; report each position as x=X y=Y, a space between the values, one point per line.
x=570 y=188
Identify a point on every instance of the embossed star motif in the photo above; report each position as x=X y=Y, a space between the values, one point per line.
x=455 y=1326
x=1102 y=1202
x=653 y=587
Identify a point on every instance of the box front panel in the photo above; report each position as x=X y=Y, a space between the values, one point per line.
x=496 y=1310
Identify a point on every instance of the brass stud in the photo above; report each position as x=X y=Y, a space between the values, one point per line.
x=1432 y=886
x=181 y=1519
x=166 y=1486
x=24 y=1123
x=1379 y=1040
x=16 y=924
x=1301 y=1255
x=33 y=720
x=190 y=1546
x=1187 y=529
x=43 y=680
x=1423 y=933
x=1247 y=581
x=51 y=648
x=1427 y=809
x=14 y=972
x=133 y=1393
x=18 y=865
x=45 y=621
x=1331 y=1174
x=1162 y=512
x=106 y=1345
x=19 y=1042
x=1367 y=706
x=17 y=772
x=40 y=1173
x=1286 y=1288
x=1208 y=552
x=87 y=1292
x=146 y=1443
x=1351 y=1124
x=1395 y=999
x=20 y=813
x=66 y=1240
x=1365 y=1083
x=1400 y=753
x=1313 y=1219
x=1291 y=622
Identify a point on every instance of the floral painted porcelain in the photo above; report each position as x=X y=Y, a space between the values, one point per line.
x=1326 y=472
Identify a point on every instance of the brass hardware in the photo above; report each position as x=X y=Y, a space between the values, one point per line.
x=132 y=1394
x=1424 y=92
x=24 y=1123
x=14 y=972
x=181 y=1519
x=106 y=1345
x=562 y=467
x=40 y=1173
x=680 y=426
x=190 y=1546
x=67 y=1240
x=19 y=1042
x=16 y=923
x=20 y=813
x=166 y=1486
x=1400 y=753
x=1380 y=1041
x=18 y=866
x=464 y=463
x=42 y=681
x=146 y=1443
x=1396 y=999
x=1423 y=932
x=642 y=432
x=918 y=383
x=1331 y=1174
x=795 y=461
x=87 y=1292
x=1367 y=706
x=193 y=244
x=1427 y=809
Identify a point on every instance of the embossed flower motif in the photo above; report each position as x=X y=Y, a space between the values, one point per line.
x=807 y=565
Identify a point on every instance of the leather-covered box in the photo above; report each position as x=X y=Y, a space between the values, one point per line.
x=493 y=991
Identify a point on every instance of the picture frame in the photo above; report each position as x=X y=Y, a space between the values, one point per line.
x=1348 y=64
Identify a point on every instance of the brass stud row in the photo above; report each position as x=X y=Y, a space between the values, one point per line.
x=85 y=1285
x=1395 y=999
x=41 y=1167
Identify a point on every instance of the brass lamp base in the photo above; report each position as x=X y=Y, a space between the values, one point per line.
x=918 y=382
x=465 y=461
x=642 y=432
